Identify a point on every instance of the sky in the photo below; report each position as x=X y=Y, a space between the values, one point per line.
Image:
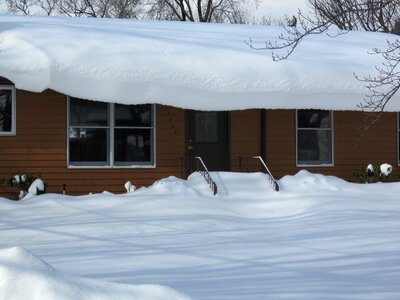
x=280 y=8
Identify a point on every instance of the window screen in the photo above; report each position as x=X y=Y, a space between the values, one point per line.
x=314 y=137
x=7 y=111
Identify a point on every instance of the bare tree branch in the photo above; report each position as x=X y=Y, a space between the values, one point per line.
x=369 y=15
x=77 y=8
x=386 y=84
x=20 y=6
x=232 y=11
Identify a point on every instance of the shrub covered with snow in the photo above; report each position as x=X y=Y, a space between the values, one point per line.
x=386 y=169
x=370 y=170
x=26 y=184
x=374 y=173
x=37 y=187
x=129 y=187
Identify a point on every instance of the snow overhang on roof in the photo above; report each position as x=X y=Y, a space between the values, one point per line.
x=188 y=65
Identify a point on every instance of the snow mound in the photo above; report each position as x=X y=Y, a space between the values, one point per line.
x=184 y=64
x=241 y=184
x=305 y=180
x=228 y=184
x=307 y=241
x=194 y=185
x=25 y=276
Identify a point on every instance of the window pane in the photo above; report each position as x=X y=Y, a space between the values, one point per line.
x=313 y=119
x=89 y=145
x=133 y=115
x=314 y=147
x=132 y=145
x=5 y=110
x=88 y=113
x=206 y=127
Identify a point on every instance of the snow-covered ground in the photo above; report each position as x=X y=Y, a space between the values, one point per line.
x=318 y=238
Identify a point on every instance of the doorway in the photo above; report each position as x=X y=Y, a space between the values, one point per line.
x=208 y=137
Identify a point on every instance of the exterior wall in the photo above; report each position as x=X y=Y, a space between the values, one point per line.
x=245 y=135
x=281 y=142
x=378 y=145
x=40 y=147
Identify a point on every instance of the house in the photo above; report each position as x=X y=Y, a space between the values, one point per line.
x=92 y=103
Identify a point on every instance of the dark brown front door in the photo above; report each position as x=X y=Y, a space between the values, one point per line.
x=208 y=137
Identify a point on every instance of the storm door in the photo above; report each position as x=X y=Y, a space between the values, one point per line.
x=208 y=137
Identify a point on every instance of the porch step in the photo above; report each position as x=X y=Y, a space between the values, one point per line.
x=241 y=184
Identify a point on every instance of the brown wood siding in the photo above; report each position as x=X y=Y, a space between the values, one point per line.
x=245 y=135
x=40 y=147
x=281 y=142
x=378 y=145
x=4 y=81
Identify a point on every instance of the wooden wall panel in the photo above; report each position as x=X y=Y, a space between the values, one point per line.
x=4 y=81
x=378 y=145
x=281 y=142
x=40 y=144
x=245 y=135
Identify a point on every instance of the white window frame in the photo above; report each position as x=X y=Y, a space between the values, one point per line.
x=332 y=129
x=110 y=147
x=13 y=131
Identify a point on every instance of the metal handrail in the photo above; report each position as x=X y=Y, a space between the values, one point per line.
x=200 y=167
x=265 y=170
x=206 y=175
x=271 y=178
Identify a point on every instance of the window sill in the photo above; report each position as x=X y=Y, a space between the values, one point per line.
x=314 y=166
x=8 y=133
x=114 y=167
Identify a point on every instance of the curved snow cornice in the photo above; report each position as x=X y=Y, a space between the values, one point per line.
x=189 y=65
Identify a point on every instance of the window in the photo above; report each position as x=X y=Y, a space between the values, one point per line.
x=7 y=110
x=110 y=135
x=398 y=138
x=314 y=137
x=206 y=126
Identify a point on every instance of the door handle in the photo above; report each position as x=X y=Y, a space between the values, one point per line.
x=190 y=147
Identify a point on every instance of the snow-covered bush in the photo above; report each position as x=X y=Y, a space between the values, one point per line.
x=24 y=183
x=374 y=173
x=386 y=169
x=37 y=187
x=370 y=170
x=129 y=187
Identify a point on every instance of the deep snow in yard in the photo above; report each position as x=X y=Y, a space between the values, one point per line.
x=318 y=238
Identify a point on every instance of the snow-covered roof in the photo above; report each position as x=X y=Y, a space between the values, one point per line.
x=189 y=65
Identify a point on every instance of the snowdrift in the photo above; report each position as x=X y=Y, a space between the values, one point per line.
x=319 y=237
x=188 y=65
x=25 y=276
